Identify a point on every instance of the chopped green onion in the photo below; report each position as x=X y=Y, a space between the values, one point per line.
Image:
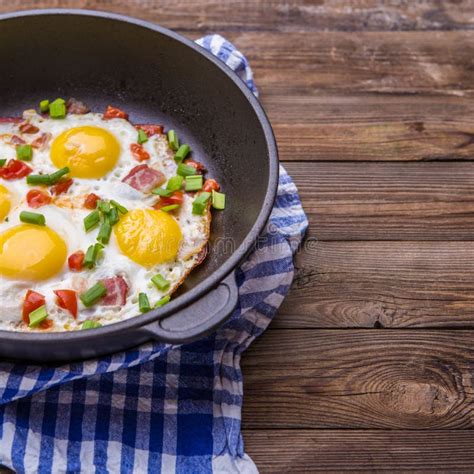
x=173 y=140
x=160 y=282
x=38 y=315
x=104 y=233
x=90 y=324
x=143 y=303
x=24 y=152
x=175 y=183
x=169 y=208
x=44 y=105
x=120 y=208
x=200 y=203
x=59 y=101
x=92 y=254
x=2 y=162
x=103 y=206
x=32 y=218
x=186 y=170
x=162 y=192
x=57 y=175
x=38 y=179
x=218 y=200
x=93 y=294
x=163 y=301
x=57 y=109
x=182 y=153
x=91 y=220
x=113 y=216
x=194 y=183
x=142 y=136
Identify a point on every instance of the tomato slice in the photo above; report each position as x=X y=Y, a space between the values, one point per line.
x=210 y=185
x=138 y=152
x=91 y=201
x=33 y=300
x=114 y=112
x=199 y=167
x=75 y=261
x=67 y=299
x=37 y=198
x=149 y=129
x=61 y=187
x=15 y=169
x=175 y=198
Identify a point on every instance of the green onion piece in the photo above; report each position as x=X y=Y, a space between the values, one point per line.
x=59 y=101
x=57 y=109
x=103 y=206
x=104 y=233
x=93 y=294
x=142 y=136
x=24 y=152
x=160 y=282
x=92 y=254
x=143 y=303
x=38 y=179
x=163 y=192
x=218 y=200
x=175 y=183
x=32 y=218
x=200 y=203
x=57 y=175
x=120 y=208
x=173 y=140
x=2 y=162
x=91 y=220
x=38 y=315
x=163 y=301
x=90 y=324
x=186 y=170
x=182 y=153
x=194 y=183
x=113 y=216
x=44 y=105
x=169 y=208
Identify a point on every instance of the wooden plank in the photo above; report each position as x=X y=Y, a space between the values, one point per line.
x=371 y=127
x=387 y=201
x=359 y=379
x=381 y=284
x=281 y=16
x=336 y=451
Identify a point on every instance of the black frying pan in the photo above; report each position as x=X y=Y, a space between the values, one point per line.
x=158 y=77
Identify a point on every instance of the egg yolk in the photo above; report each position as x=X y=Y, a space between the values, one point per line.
x=148 y=237
x=4 y=202
x=30 y=252
x=89 y=152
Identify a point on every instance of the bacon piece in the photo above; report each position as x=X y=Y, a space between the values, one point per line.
x=16 y=140
x=15 y=169
x=150 y=129
x=199 y=167
x=61 y=187
x=75 y=106
x=41 y=141
x=117 y=290
x=27 y=127
x=144 y=179
x=175 y=198
x=114 y=112
x=37 y=198
x=138 y=152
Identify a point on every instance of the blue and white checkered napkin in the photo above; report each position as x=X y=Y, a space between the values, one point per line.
x=157 y=408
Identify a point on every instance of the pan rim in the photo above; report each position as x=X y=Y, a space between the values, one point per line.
x=203 y=287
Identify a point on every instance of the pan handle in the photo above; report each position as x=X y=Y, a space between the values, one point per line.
x=209 y=311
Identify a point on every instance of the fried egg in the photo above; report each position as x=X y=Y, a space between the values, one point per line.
x=144 y=242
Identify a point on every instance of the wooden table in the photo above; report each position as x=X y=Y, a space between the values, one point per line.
x=369 y=363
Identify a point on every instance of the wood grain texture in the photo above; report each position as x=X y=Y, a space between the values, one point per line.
x=279 y=16
x=387 y=201
x=290 y=451
x=359 y=379
x=381 y=284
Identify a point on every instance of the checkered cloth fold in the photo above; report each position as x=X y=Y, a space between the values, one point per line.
x=156 y=408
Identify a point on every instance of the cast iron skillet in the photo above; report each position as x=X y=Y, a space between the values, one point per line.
x=158 y=77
